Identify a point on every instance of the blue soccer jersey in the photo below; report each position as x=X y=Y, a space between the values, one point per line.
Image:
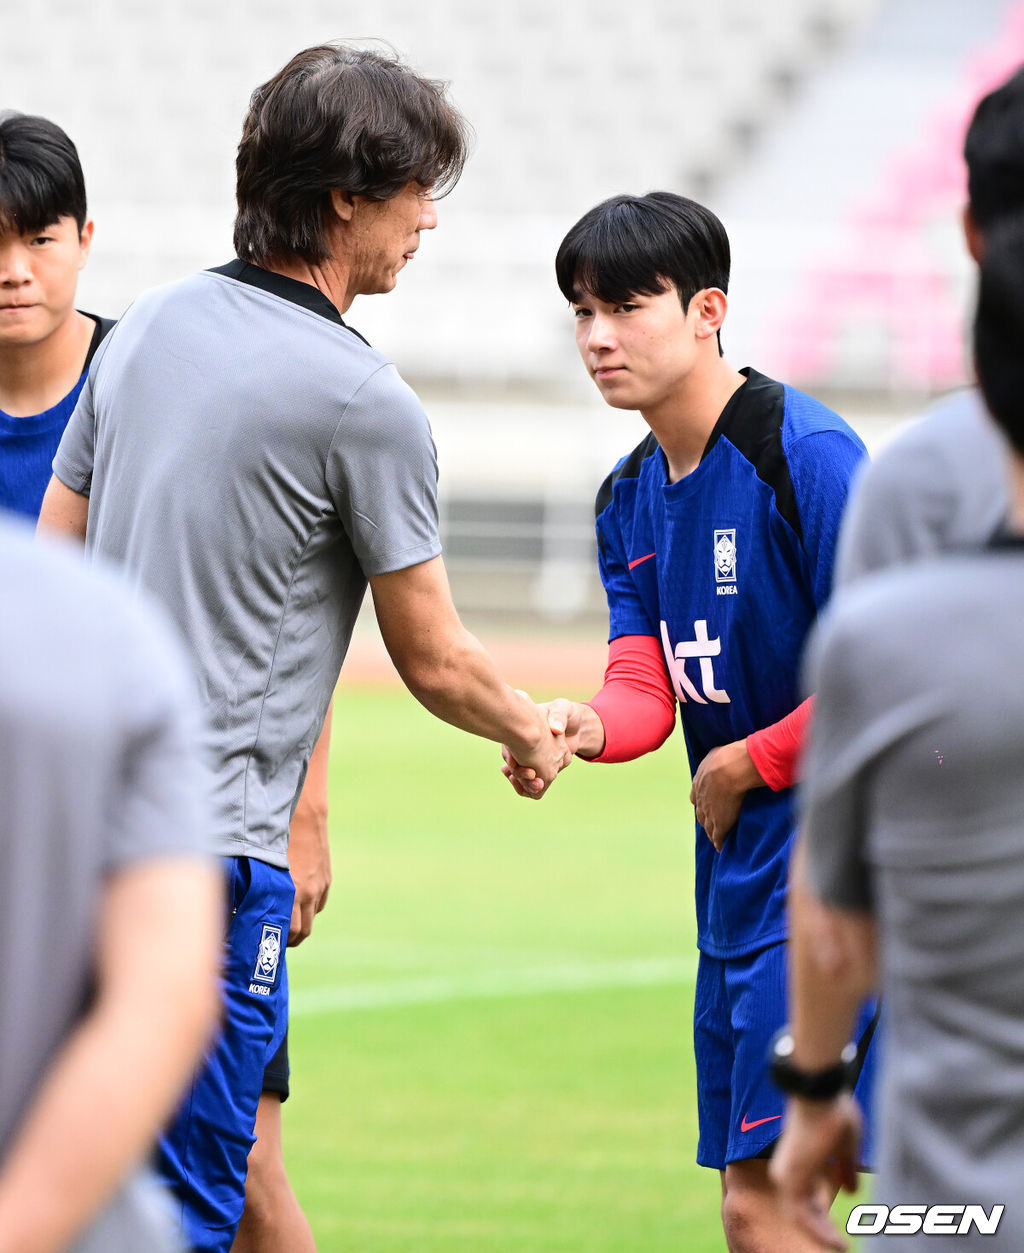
x=28 y=444
x=728 y=568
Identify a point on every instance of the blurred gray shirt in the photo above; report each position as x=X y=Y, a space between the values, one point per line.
x=913 y=808
x=940 y=484
x=99 y=769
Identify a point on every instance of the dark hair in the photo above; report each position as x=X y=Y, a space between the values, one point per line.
x=999 y=327
x=41 y=177
x=994 y=152
x=344 y=118
x=638 y=245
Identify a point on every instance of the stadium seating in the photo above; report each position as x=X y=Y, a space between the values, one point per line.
x=824 y=132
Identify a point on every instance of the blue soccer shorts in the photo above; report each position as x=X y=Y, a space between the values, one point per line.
x=202 y=1156
x=739 y=1005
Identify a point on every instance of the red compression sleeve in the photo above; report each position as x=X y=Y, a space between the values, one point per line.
x=775 y=750
x=636 y=705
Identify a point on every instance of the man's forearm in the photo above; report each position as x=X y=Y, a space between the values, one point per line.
x=462 y=686
x=832 y=970
x=309 y=849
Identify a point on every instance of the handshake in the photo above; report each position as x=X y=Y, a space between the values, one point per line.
x=567 y=729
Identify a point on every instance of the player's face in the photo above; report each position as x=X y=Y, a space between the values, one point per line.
x=38 y=276
x=385 y=236
x=639 y=352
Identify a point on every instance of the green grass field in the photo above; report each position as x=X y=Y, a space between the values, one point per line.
x=491 y=1045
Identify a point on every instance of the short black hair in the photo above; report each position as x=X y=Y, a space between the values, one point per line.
x=638 y=245
x=338 y=118
x=41 y=177
x=994 y=152
x=999 y=327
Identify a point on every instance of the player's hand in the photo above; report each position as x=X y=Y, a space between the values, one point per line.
x=525 y=780
x=816 y=1154
x=309 y=859
x=723 y=779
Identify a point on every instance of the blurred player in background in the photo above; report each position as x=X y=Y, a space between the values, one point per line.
x=942 y=483
x=910 y=872
x=111 y=905
x=46 y=344
x=254 y=462
x=716 y=538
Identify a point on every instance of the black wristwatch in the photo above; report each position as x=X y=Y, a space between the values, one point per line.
x=814 y=1085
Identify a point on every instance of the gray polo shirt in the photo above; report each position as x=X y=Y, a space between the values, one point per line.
x=940 y=484
x=98 y=770
x=913 y=808
x=252 y=461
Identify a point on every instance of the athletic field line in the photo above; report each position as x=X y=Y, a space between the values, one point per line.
x=521 y=981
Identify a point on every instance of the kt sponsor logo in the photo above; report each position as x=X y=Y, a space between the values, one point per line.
x=927 y=1220
x=700 y=649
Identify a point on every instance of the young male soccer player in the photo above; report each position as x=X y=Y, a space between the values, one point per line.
x=912 y=858
x=939 y=485
x=716 y=538
x=255 y=463
x=46 y=344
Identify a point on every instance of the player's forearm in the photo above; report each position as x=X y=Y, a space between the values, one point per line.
x=775 y=751
x=589 y=741
x=832 y=970
x=63 y=512
x=120 y=1073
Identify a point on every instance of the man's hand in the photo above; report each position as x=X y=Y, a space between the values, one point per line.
x=579 y=729
x=309 y=859
x=524 y=775
x=309 y=848
x=817 y=1153
x=722 y=781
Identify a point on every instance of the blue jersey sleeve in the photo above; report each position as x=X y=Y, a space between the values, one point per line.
x=823 y=462
x=626 y=612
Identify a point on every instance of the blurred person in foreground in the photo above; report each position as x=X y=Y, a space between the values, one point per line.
x=111 y=905
x=253 y=462
x=910 y=870
x=46 y=347
x=46 y=344
x=716 y=538
x=942 y=482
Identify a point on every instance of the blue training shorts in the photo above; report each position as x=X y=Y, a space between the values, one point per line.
x=202 y=1156
x=739 y=1005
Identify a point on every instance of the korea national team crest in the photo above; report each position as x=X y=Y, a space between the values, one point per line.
x=725 y=561
x=269 y=954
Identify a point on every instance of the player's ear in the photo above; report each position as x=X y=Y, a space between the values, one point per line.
x=711 y=306
x=343 y=203
x=85 y=243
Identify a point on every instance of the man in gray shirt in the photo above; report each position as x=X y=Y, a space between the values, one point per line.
x=942 y=484
x=252 y=461
x=913 y=845
x=110 y=904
